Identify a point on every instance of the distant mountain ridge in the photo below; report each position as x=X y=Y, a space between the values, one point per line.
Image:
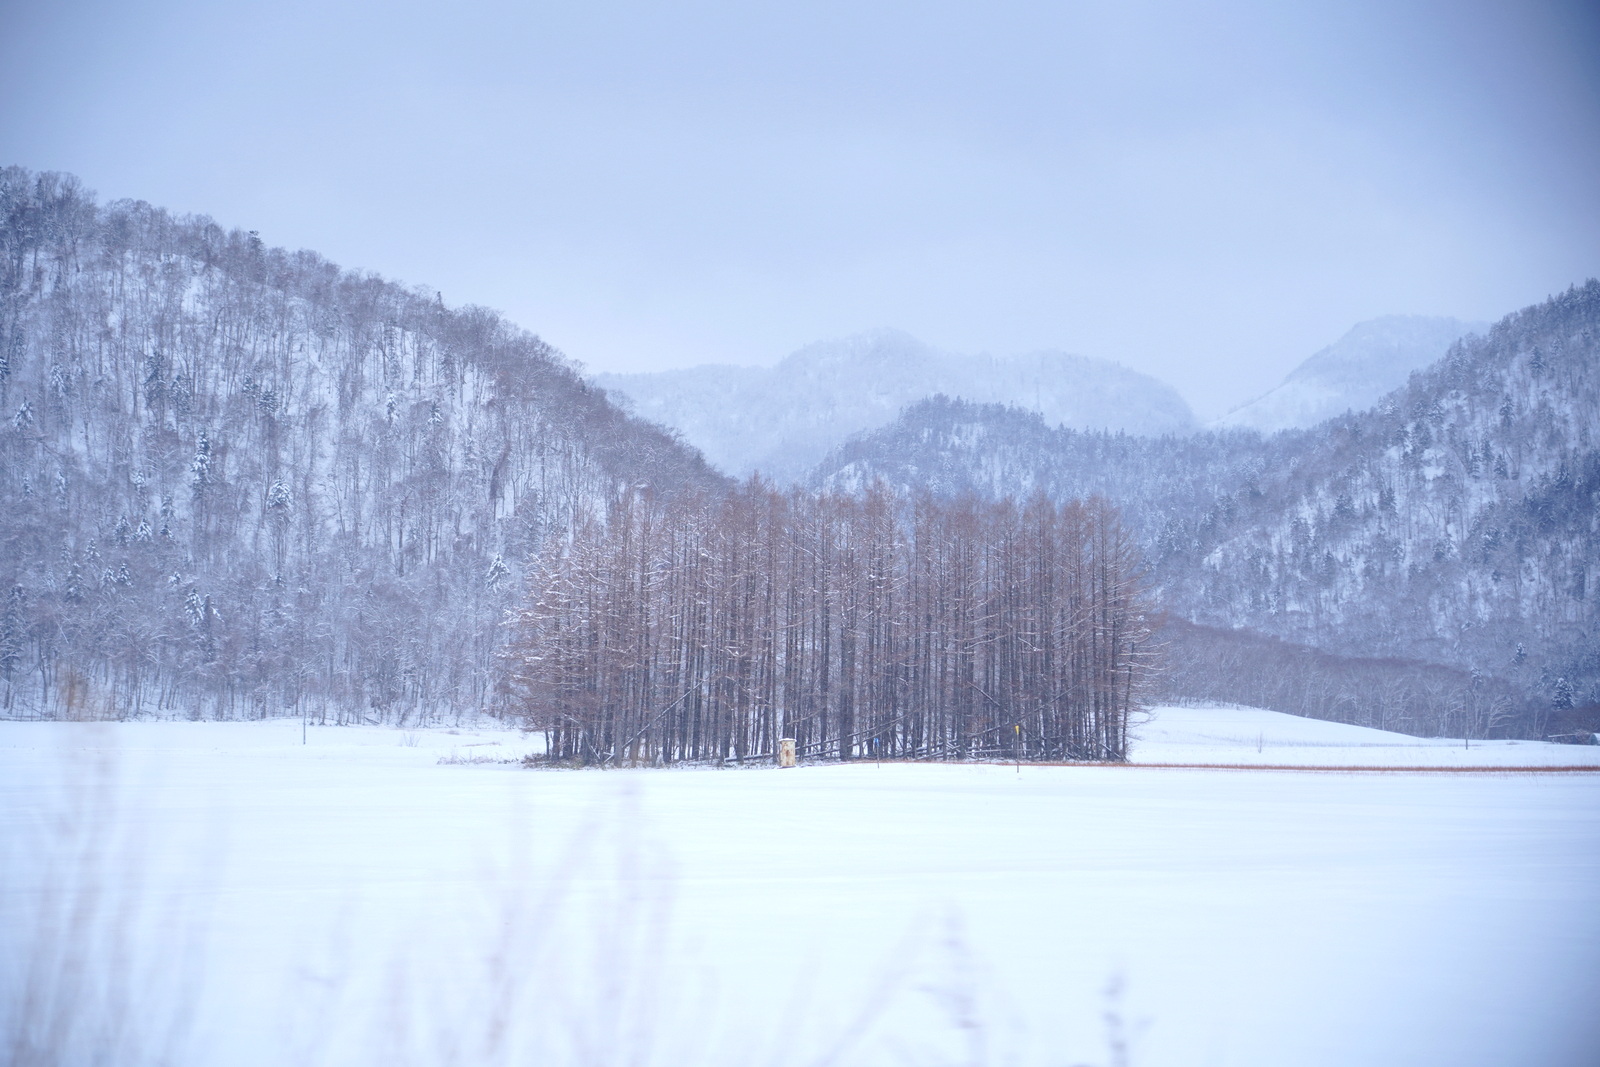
x=783 y=419
x=1352 y=374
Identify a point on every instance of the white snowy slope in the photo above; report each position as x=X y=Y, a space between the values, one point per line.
x=1351 y=374
x=783 y=419
x=206 y=893
x=1230 y=736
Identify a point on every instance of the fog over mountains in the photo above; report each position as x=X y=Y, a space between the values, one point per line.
x=1351 y=374
x=781 y=420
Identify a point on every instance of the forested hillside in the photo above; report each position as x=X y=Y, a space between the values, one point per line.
x=238 y=480
x=1456 y=523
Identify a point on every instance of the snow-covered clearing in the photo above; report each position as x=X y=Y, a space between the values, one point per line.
x=243 y=899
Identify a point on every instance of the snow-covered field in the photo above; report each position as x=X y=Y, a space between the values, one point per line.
x=1253 y=737
x=225 y=894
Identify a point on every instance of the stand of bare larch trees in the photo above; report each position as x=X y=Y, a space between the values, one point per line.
x=710 y=629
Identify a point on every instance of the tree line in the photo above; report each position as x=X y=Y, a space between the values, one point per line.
x=710 y=628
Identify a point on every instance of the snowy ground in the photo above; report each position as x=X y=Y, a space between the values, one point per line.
x=1253 y=737
x=222 y=892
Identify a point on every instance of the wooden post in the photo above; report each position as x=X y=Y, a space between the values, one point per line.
x=786 y=752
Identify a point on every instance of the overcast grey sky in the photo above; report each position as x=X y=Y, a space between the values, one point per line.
x=1206 y=192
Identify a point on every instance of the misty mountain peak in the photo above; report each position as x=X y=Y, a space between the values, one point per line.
x=1375 y=357
x=885 y=346
x=783 y=419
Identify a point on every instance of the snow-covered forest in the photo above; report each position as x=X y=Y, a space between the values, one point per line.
x=240 y=482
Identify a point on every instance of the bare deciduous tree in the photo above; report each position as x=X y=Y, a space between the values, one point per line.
x=709 y=629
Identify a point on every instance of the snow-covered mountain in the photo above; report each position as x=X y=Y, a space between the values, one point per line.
x=782 y=420
x=1456 y=521
x=1351 y=374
